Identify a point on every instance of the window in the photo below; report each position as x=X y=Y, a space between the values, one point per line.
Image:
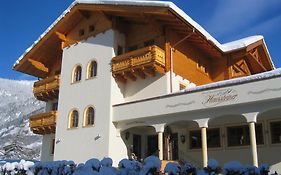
x=239 y=135
x=77 y=74
x=213 y=138
x=275 y=131
x=92 y=69
x=53 y=147
x=73 y=119
x=89 y=118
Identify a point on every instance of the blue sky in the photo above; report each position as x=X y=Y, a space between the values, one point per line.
x=22 y=22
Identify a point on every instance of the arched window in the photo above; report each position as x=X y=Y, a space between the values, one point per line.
x=73 y=119
x=92 y=69
x=89 y=116
x=77 y=74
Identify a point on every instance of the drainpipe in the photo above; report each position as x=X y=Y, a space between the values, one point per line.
x=172 y=60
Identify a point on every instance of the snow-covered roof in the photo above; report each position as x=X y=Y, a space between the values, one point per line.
x=241 y=80
x=227 y=47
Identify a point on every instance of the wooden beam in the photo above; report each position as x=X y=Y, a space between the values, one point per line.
x=119 y=77
x=38 y=65
x=256 y=62
x=130 y=75
x=139 y=72
x=149 y=71
x=61 y=36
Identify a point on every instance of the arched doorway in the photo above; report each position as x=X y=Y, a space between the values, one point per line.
x=141 y=142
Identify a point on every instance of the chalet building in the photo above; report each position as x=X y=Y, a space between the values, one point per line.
x=123 y=78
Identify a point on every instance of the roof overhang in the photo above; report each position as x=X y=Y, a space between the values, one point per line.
x=41 y=55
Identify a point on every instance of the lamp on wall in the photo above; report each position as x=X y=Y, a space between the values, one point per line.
x=182 y=138
x=127 y=135
x=58 y=141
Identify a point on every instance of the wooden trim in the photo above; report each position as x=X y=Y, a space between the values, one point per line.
x=44 y=123
x=139 y=63
x=47 y=89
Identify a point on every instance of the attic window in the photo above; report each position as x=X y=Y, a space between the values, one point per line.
x=81 y=32
x=91 y=28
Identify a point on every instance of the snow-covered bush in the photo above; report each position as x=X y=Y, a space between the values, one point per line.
x=172 y=168
x=188 y=169
x=17 y=168
x=233 y=168
x=129 y=167
x=54 y=168
x=264 y=169
x=251 y=170
x=152 y=165
x=212 y=167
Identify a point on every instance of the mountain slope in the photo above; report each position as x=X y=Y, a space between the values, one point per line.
x=16 y=105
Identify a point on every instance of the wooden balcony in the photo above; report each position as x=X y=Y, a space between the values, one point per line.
x=47 y=89
x=44 y=123
x=139 y=64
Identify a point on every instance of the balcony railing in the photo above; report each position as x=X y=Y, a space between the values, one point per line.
x=139 y=63
x=47 y=89
x=44 y=123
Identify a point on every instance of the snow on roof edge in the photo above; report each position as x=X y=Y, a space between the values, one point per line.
x=227 y=47
x=256 y=77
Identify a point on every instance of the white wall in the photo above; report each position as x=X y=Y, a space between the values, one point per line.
x=47 y=141
x=81 y=143
x=146 y=88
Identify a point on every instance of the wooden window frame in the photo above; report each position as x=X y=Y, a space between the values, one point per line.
x=86 y=119
x=245 y=126
x=200 y=145
x=92 y=71
x=74 y=74
x=270 y=130
x=70 y=119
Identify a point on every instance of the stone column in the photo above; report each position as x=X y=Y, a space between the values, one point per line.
x=252 y=119
x=160 y=145
x=204 y=146
x=253 y=143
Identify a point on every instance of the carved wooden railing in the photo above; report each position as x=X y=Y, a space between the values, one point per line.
x=47 y=89
x=44 y=123
x=139 y=61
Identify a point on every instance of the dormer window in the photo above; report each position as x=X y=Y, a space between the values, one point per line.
x=77 y=74
x=92 y=69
